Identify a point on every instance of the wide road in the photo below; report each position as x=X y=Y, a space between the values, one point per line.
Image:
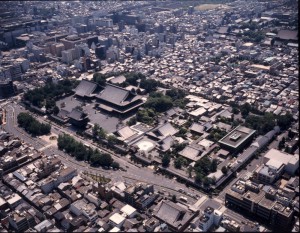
x=132 y=175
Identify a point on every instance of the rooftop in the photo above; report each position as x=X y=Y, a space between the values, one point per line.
x=237 y=136
x=117 y=218
x=85 y=88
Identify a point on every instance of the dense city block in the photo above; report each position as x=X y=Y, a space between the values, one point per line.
x=149 y=116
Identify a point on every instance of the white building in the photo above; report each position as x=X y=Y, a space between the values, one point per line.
x=48 y=184
x=218 y=215
x=275 y=157
x=116 y=220
x=207 y=219
x=128 y=211
x=82 y=208
x=14 y=201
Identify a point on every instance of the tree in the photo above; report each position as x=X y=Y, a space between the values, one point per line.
x=178 y=147
x=115 y=165
x=182 y=132
x=174 y=198
x=285 y=121
x=224 y=170
x=145 y=116
x=235 y=110
x=165 y=160
x=214 y=165
x=178 y=163
x=95 y=158
x=281 y=144
x=207 y=181
x=50 y=104
x=203 y=166
x=189 y=171
x=100 y=79
x=245 y=109
x=159 y=102
x=31 y=125
x=98 y=132
x=105 y=160
x=149 y=85
x=198 y=178
x=290 y=134
x=132 y=121
x=55 y=110
x=112 y=140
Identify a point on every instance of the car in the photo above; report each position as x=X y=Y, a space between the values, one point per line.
x=180 y=190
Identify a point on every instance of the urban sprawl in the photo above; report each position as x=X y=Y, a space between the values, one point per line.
x=149 y=116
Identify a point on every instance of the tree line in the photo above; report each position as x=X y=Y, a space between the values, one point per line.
x=31 y=125
x=47 y=95
x=81 y=152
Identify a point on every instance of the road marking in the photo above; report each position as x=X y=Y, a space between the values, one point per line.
x=45 y=147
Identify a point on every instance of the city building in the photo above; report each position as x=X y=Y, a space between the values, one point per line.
x=121 y=102
x=6 y=89
x=237 y=139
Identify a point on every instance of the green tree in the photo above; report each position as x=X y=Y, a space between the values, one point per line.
x=95 y=158
x=207 y=181
x=285 y=121
x=31 y=125
x=182 y=132
x=189 y=171
x=100 y=79
x=198 y=178
x=174 y=198
x=115 y=165
x=132 y=121
x=105 y=160
x=55 y=110
x=159 y=103
x=224 y=170
x=112 y=140
x=235 y=110
x=165 y=160
x=281 y=144
x=214 y=165
x=290 y=134
x=245 y=109
x=145 y=116
x=149 y=85
x=98 y=132
x=178 y=163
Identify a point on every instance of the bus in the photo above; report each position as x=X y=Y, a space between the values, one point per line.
x=182 y=198
x=87 y=146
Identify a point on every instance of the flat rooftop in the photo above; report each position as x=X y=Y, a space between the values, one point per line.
x=237 y=136
x=267 y=203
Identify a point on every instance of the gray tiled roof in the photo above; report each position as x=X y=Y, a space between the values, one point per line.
x=197 y=128
x=85 y=88
x=117 y=95
x=126 y=132
x=167 y=129
x=169 y=212
x=76 y=114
